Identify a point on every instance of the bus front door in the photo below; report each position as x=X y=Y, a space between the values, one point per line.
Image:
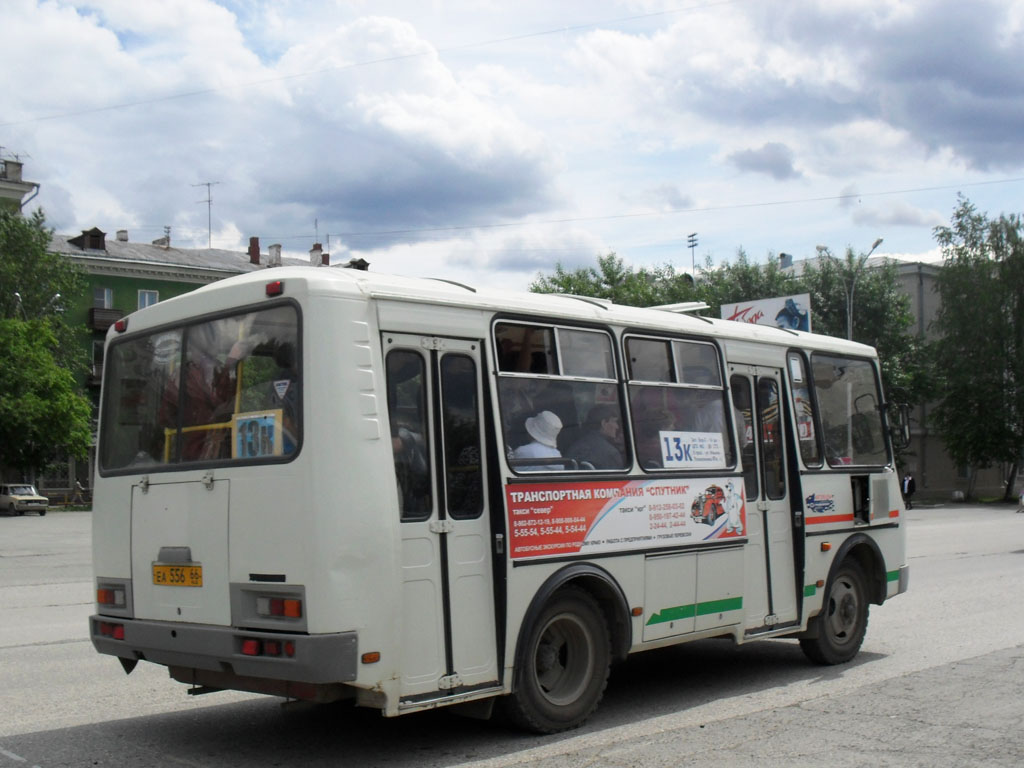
x=435 y=392
x=770 y=592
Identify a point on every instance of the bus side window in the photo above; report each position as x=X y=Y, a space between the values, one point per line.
x=461 y=424
x=743 y=412
x=561 y=382
x=676 y=395
x=771 y=438
x=807 y=433
x=407 y=408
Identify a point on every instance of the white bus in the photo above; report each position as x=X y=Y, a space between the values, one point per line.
x=328 y=484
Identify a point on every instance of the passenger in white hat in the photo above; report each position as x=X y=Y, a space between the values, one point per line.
x=544 y=429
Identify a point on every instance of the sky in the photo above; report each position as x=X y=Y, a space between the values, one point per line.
x=484 y=142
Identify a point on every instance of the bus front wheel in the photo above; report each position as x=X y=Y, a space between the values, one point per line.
x=838 y=631
x=562 y=664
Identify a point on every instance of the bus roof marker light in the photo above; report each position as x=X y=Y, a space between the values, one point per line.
x=275 y=288
x=121 y=325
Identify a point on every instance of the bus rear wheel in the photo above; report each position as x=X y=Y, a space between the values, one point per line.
x=562 y=664
x=840 y=627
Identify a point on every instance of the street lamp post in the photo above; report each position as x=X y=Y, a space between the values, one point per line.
x=853 y=281
x=691 y=242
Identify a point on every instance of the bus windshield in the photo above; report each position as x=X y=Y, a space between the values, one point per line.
x=223 y=390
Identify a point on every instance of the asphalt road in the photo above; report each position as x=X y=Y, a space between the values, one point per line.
x=938 y=682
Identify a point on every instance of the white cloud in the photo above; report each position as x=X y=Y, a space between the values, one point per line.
x=400 y=126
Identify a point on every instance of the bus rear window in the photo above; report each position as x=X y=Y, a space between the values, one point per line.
x=224 y=390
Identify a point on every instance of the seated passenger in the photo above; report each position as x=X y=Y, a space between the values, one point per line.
x=601 y=442
x=543 y=428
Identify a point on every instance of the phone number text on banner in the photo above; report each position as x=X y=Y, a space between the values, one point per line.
x=549 y=519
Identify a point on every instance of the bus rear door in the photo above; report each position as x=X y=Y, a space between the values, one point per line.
x=434 y=399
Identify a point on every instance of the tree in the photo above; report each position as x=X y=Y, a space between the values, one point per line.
x=882 y=315
x=42 y=409
x=617 y=282
x=979 y=357
x=743 y=280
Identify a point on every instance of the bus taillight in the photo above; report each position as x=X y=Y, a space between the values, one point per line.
x=115 y=631
x=250 y=646
x=110 y=597
x=279 y=607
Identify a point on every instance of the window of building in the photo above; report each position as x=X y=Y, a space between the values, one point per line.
x=103 y=298
x=148 y=298
x=97 y=358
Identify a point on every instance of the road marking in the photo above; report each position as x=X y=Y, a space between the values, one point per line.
x=14 y=757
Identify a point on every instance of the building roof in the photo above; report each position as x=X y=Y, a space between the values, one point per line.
x=99 y=254
x=904 y=264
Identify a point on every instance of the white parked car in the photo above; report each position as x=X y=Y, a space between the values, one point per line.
x=19 y=498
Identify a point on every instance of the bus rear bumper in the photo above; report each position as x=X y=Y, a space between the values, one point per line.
x=330 y=658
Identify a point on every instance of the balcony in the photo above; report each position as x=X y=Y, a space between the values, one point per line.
x=100 y=318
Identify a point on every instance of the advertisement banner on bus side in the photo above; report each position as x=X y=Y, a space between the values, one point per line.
x=558 y=519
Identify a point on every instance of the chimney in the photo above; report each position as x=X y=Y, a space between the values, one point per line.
x=325 y=260
x=274 y=260
x=785 y=260
x=122 y=235
x=315 y=255
x=11 y=170
x=254 y=250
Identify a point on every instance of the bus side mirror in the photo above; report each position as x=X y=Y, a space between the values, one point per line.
x=900 y=430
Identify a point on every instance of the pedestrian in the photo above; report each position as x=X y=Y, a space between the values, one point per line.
x=79 y=497
x=909 y=486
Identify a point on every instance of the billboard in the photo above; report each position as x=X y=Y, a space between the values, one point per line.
x=792 y=312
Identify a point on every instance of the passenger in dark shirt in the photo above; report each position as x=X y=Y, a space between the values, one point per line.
x=601 y=443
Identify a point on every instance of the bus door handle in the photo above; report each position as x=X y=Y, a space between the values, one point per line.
x=441 y=526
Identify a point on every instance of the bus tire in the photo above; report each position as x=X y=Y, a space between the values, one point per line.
x=838 y=630
x=562 y=664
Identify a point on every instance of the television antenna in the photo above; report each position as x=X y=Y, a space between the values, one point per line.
x=209 y=208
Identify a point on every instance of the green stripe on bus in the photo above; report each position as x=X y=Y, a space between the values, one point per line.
x=679 y=612
x=892 y=576
x=810 y=590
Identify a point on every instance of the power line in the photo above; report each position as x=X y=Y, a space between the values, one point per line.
x=672 y=211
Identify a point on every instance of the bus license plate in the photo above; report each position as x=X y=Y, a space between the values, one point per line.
x=178 y=575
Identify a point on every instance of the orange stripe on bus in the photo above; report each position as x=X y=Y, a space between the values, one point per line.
x=830 y=519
